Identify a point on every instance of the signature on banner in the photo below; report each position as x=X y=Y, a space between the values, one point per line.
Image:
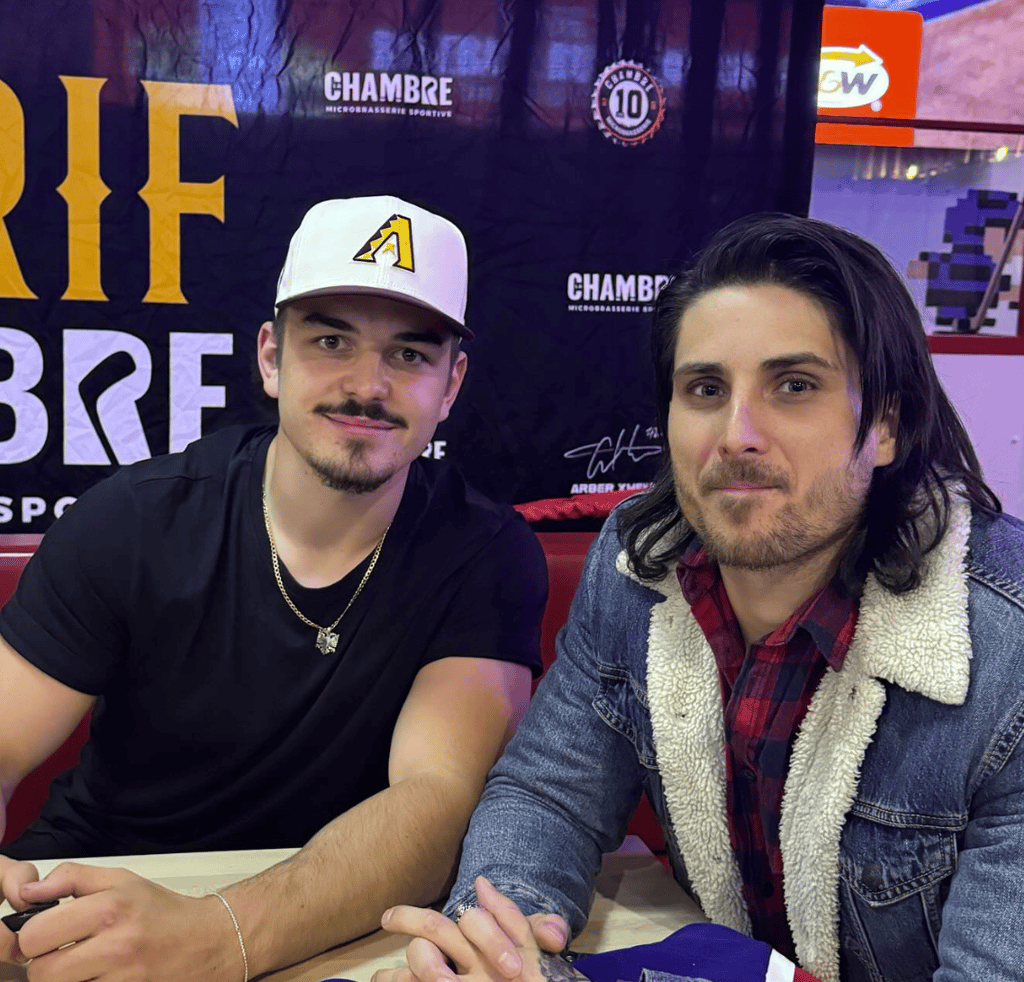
x=602 y=456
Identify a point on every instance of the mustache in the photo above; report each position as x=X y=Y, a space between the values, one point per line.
x=350 y=407
x=745 y=472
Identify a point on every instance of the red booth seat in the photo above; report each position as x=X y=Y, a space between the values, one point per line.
x=26 y=802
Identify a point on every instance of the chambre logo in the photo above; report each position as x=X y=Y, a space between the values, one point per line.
x=388 y=93
x=613 y=293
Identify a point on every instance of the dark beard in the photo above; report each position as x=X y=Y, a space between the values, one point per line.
x=349 y=480
x=789 y=545
x=794 y=540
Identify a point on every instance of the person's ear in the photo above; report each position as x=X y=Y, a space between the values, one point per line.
x=886 y=431
x=455 y=379
x=268 y=357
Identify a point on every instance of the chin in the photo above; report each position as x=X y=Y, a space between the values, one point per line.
x=352 y=483
x=350 y=477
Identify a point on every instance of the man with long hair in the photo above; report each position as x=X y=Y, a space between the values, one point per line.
x=803 y=643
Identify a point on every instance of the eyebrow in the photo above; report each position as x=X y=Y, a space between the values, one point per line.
x=428 y=336
x=800 y=358
x=776 y=364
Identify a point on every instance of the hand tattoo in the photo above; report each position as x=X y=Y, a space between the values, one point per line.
x=556 y=969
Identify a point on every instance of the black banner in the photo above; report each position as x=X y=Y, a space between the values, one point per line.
x=156 y=156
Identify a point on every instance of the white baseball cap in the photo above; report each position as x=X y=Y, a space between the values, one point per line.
x=381 y=245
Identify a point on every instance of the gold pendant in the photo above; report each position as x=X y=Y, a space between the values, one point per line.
x=326 y=641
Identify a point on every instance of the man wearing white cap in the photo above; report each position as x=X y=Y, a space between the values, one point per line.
x=287 y=635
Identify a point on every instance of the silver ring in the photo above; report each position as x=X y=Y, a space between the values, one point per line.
x=462 y=909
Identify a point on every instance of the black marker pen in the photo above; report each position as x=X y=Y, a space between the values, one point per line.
x=16 y=921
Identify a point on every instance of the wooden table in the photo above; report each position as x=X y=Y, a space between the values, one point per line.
x=637 y=901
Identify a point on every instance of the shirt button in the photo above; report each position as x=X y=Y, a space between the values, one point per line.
x=768 y=888
x=749 y=774
x=872 y=877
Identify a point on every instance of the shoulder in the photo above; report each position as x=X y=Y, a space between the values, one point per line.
x=458 y=532
x=611 y=545
x=995 y=557
x=206 y=459
x=613 y=530
x=199 y=473
x=994 y=567
x=455 y=508
x=474 y=562
x=607 y=571
x=142 y=492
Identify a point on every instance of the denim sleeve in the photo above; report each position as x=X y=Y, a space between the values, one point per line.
x=983 y=917
x=563 y=792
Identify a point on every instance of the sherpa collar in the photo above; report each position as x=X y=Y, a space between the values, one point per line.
x=919 y=641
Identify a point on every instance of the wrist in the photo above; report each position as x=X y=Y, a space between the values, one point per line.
x=555 y=968
x=233 y=947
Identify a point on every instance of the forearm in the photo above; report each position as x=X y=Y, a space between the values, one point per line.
x=400 y=846
x=547 y=864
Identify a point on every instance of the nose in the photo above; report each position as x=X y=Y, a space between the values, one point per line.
x=366 y=377
x=744 y=431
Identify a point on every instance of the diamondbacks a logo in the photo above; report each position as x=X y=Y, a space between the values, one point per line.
x=628 y=103
x=391 y=242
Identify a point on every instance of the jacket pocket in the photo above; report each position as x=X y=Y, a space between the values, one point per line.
x=894 y=876
x=622 y=703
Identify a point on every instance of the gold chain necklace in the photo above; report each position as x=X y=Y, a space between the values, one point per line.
x=326 y=639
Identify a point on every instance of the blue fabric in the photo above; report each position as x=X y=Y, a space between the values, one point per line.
x=706 y=952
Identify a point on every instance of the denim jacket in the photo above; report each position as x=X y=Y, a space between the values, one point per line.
x=902 y=825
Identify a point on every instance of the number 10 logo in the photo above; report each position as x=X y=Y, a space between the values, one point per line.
x=628 y=103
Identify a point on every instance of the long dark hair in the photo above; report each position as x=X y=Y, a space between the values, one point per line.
x=907 y=509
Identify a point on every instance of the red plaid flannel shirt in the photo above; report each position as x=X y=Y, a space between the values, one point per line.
x=765 y=694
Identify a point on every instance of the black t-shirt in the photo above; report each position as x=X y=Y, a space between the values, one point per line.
x=219 y=724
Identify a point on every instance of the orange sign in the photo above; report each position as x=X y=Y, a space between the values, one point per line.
x=870 y=60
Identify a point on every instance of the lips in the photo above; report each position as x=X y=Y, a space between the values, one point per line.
x=744 y=486
x=742 y=478
x=360 y=422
